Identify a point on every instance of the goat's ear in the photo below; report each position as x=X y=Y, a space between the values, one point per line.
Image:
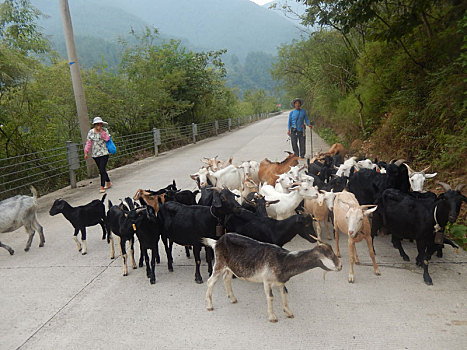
x=369 y=211
x=268 y=203
x=429 y=176
x=194 y=176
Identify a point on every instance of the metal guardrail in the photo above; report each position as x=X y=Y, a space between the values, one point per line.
x=55 y=168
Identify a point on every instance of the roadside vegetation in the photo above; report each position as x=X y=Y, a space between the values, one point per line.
x=389 y=78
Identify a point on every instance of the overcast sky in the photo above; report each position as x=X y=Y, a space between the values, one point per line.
x=261 y=2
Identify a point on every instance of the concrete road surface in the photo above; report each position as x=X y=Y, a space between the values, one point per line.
x=55 y=298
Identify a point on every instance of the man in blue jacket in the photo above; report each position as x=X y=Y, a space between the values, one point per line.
x=296 y=127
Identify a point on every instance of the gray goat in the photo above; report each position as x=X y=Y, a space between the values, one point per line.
x=20 y=211
x=270 y=264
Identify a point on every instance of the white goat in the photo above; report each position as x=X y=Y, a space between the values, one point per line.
x=250 y=169
x=229 y=177
x=296 y=171
x=20 y=211
x=320 y=208
x=283 y=183
x=265 y=263
x=352 y=219
x=366 y=164
x=288 y=201
x=344 y=169
x=417 y=178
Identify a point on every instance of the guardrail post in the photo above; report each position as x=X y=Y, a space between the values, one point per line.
x=216 y=127
x=157 y=140
x=73 y=161
x=230 y=123
x=194 y=128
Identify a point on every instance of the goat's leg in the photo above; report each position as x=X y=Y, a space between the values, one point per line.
x=211 y=282
x=36 y=226
x=197 y=254
x=141 y=256
x=132 y=252
x=124 y=256
x=30 y=232
x=209 y=254
x=152 y=278
x=84 y=251
x=336 y=237
x=351 y=245
x=270 y=299
x=357 y=260
x=328 y=227
x=11 y=251
x=228 y=286
x=423 y=258
x=112 y=248
x=75 y=238
x=317 y=229
x=369 y=242
x=285 y=304
x=187 y=252
x=158 y=257
x=145 y=256
x=396 y=242
x=168 y=253
x=104 y=231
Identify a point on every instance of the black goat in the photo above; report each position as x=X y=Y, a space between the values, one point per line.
x=265 y=229
x=144 y=223
x=185 y=196
x=405 y=216
x=187 y=225
x=81 y=217
x=117 y=223
x=368 y=185
x=257 y=203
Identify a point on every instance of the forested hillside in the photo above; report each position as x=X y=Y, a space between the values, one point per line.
x=157 y=84
x=390 y=74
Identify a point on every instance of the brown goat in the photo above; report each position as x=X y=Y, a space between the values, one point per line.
x=269 y=171
x=151 y=199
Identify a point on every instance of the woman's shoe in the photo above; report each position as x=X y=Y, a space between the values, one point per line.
x=108 y=185
x=102 y=190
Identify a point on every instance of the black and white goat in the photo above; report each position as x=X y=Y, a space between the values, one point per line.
x=259 y=262
x=20 y=211
x=81 y=217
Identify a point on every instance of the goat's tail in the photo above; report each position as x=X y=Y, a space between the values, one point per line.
x=103 y=198
x=35 y=195
x=210 y=242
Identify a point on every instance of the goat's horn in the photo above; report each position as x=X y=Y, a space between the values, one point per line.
x=368 y=206
x=426 y=169
x=459 y=187
x=399 y=162
x=316 y=239
x=409 y=168
x=392 y=161
x=444 y=185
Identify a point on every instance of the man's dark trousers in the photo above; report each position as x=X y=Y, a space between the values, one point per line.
x=298 y=136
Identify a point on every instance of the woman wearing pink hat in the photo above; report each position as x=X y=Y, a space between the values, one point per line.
x=99 y=152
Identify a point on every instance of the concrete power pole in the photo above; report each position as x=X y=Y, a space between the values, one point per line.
x=78 y=90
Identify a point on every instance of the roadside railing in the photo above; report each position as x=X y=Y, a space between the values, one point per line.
x=54 y=168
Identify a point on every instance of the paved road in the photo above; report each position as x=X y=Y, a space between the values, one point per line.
x=55 y=298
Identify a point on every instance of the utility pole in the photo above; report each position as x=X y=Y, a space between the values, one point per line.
x=78 y=90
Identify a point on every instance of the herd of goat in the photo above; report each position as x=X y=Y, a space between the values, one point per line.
x=262 y=206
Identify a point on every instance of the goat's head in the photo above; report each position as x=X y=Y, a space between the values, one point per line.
x=57 y=207
x=417 y=178
x=329 y=261
x=354 y=217
x=454 y=198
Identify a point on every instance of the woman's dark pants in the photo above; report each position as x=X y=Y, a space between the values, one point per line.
x=298 y=137
x=101 y=164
